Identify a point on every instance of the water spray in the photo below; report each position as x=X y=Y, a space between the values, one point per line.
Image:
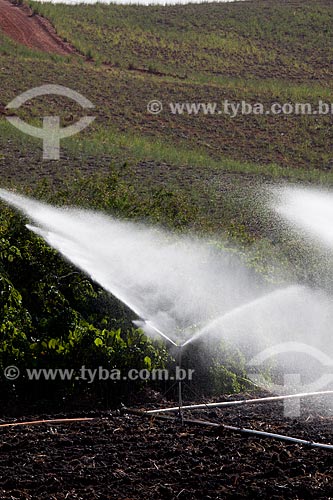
x=151 y=272
x=148 y=323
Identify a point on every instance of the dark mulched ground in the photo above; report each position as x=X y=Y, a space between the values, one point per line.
x=128 y=457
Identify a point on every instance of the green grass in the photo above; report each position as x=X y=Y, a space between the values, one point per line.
x=276 y=145
x=275 y=87
x=136 y=148
x=288 y=40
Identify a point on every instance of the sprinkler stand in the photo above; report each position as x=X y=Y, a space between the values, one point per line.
x=180 y=384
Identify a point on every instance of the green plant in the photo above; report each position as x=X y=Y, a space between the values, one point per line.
x=47 y=321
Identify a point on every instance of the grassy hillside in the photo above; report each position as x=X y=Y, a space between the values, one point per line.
x=257 y=39
x=254 y=51
x=206 y=160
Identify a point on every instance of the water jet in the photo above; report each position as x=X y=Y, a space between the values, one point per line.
x=172 y=283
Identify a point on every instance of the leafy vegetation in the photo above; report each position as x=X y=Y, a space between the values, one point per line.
x=53 y=317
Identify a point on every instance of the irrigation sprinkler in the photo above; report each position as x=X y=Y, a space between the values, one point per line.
x=179 y=360
x=181 y=408
x=179 y=356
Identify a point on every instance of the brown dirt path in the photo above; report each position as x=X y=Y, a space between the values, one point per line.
x=26 y=28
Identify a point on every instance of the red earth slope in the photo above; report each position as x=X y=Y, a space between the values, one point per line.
x=26 y=28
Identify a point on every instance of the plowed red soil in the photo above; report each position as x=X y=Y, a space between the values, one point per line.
x=20 y=24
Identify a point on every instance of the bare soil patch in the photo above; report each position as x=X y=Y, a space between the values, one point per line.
x=26 y=28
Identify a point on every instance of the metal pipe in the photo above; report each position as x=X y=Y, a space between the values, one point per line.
x=50 y=421
x=239 y=430
x=240 y=402
x=180 y=396
x=280 y=437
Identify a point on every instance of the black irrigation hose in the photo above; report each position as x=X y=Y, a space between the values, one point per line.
x=239 y=430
